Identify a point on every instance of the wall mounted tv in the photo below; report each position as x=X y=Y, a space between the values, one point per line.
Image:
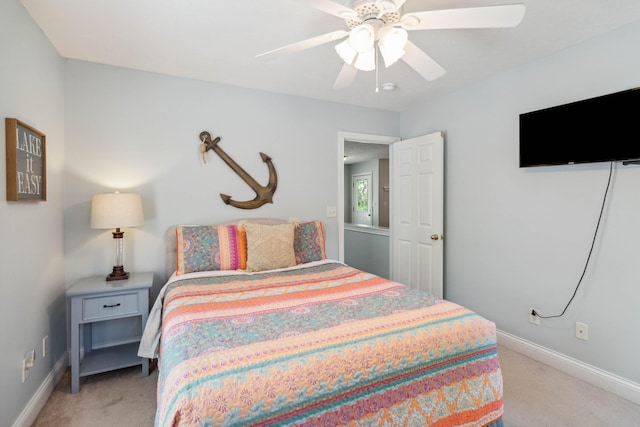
x=602 y=129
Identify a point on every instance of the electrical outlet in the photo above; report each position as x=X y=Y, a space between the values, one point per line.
x=331 y=211
x=582 y=331
x=533 y=318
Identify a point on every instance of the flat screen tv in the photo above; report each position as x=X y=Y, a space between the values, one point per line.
x=602 y=129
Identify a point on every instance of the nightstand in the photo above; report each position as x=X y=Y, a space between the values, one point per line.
x=93 y=300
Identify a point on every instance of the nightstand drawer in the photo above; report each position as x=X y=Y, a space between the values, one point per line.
x=109 y=306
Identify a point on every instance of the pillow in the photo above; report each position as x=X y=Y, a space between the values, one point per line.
x=209 y=247
x=308 y=243
x=269 y=246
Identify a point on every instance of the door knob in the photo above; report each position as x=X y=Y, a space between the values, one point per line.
x=436 y=237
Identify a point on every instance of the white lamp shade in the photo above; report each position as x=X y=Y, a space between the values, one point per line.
x=392 y=43
x=116 y=210
x=366 y=61
x=346 y=51
x=362 y=37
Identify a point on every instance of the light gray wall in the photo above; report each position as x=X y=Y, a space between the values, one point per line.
x=138 y=131
x=518 y=238
x=31 y=254
x=367 y=251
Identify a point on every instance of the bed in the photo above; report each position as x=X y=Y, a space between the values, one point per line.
x=310 y=343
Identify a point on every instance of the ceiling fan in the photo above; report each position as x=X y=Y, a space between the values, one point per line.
x=380 y=26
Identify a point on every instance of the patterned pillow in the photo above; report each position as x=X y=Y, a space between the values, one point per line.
x=309 y=242
x=209 y=247
x=269 y=246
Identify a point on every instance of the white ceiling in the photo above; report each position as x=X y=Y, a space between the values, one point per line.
x=217 y=41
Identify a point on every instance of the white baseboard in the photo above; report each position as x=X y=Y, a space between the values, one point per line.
x=37 y=402
x=600 y=378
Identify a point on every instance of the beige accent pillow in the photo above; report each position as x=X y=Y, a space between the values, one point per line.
x=269 y=246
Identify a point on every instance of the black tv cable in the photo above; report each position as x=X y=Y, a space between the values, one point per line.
x=586 y=264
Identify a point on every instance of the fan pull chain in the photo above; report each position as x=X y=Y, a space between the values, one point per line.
x=377 y=83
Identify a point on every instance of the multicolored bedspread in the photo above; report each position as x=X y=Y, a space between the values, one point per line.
x=322 y=345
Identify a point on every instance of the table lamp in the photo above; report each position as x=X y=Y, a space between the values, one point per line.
x=116 y=210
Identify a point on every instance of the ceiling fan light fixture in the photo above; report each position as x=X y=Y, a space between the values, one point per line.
x=362 y=37
x=382 y=25
x=391 y=57
x=346 y=51
x=392 y=42
x=366 y=61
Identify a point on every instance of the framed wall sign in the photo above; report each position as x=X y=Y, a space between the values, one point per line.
x=26 y=162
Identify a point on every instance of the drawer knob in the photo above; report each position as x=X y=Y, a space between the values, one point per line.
x=111 y=306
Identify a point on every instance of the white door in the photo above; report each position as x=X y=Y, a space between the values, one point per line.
x=417 y=212
x=361 y=203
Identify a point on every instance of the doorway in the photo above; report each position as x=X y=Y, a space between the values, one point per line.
x=426 y=175
x=344 y=182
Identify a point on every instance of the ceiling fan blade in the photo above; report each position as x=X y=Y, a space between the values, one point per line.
x=503 y=16
x=331 y=8
x=346 y=76
x=304 y=44
x=422 y=63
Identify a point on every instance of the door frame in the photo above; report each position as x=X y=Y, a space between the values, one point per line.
x=355 y=137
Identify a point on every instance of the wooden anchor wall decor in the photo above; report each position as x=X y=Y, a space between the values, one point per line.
x=264 y=194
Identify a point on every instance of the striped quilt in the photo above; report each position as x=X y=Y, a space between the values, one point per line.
x=322 y=345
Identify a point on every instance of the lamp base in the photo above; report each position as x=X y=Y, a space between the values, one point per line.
x=118 y=273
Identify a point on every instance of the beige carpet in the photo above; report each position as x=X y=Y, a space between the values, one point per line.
x=122 y=398
x=535 y=396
